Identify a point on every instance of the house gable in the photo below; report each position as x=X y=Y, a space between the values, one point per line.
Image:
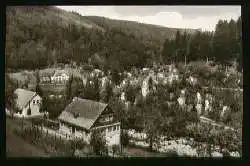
x=82 y=112
x=105 y=118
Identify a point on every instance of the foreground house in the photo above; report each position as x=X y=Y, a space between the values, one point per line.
x=81 y=117
x=28 y=103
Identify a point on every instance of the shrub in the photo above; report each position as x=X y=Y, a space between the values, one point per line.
x=98 y=143
x=29 y=111
x=124 y=138
x=116 y=149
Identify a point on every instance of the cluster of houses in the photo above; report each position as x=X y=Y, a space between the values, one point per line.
x=54 y=77
x=81 y=117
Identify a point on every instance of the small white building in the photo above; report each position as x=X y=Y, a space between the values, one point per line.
x=28 y=103
x=60 y=77
x=224 y=110
x=81 y=117
x=144 y=87
x=192 y=80
x=123 y=98
x=208 y=103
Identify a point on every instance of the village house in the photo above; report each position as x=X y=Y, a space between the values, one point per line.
x=192 y=80
x=182 y=99
x=208 y=103
x=199 y=103
x=60 y=77
x=81 y=117
x=45 y=77
x=28 y=103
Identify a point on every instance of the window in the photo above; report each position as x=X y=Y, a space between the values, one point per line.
x=114 y=127
x=37 y=101
x=118 y=127
x=34 y=102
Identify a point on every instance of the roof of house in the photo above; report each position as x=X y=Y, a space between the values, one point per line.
x=23 y=97
x=60 y=72
x=88 y=111
x=46 y=73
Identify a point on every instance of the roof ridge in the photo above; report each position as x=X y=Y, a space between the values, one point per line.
x=93 y=101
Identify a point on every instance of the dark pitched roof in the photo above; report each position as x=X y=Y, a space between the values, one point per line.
x=88 y=111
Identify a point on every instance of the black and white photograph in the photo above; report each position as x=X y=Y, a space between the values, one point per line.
x=123 y=81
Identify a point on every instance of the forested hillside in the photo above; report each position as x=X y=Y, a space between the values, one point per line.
x=37 y=37
x=224 y=45
x=42 y=36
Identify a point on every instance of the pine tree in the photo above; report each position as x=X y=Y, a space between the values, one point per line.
x=10 y=96
x=68 y=88
x=38 y=88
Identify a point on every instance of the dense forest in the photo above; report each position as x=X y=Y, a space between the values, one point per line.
x=38 y=37
x=43 y=36
x=224 y=45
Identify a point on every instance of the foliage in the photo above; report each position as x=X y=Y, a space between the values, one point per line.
x=92 y=89
x=10 y=96
x=107 y=93
x=130 y=92
x=53 y=105
x=124 y=138
x=29 y=111
x=116 y=149
x=32 y=42
x=98 y=142
x=38 y=88
x=223 y=45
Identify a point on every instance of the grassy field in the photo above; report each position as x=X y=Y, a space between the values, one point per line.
x=16 y=146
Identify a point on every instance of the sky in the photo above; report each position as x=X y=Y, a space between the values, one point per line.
x=195 y=17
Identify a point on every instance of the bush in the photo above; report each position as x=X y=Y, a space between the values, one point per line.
x=98 y=143
x=116 y=149
x=124 y=138
x=29 y=111
x=172 y=153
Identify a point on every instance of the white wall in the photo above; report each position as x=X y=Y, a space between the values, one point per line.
x=34 y=107
x=113 y=136
x=79 y=134
x=111 y=133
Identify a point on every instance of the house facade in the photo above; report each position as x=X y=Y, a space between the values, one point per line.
x=28 y=103
x=81 y=117
x=60 y=77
